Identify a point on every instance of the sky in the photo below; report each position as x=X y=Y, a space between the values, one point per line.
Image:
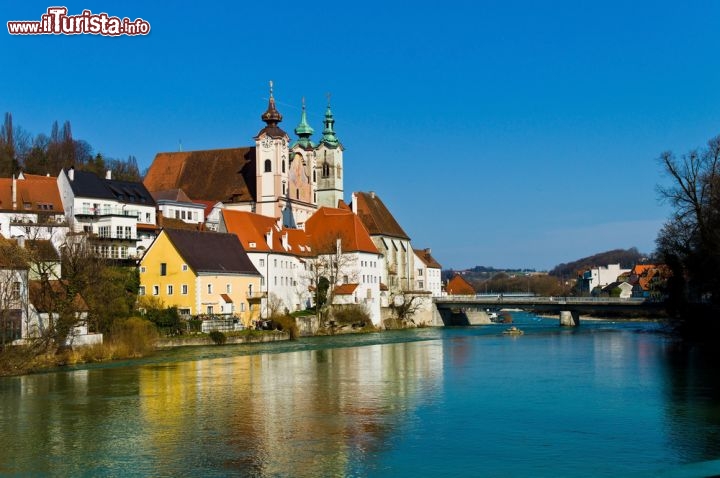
x=511 y=134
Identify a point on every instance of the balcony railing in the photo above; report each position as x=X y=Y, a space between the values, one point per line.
x=108 y=211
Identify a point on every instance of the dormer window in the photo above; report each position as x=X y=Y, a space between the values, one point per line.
x=252 y=245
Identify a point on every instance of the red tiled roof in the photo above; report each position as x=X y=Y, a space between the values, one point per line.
x=252 y=228
x=345 y=289
x=329 y=224
x=459 y=286
x=211 y=175
x=427 y=259
x=40 y=192
x=377 y=218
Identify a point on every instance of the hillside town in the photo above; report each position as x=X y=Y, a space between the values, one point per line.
x=228 y=236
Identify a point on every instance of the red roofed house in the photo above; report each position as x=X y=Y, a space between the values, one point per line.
x=389 y=238
x=347 y=256
x=459 y=286
x=30 y=206
x=428 y=273
x=278 y=254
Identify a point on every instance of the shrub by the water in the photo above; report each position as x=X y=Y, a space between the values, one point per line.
x=218 y=337
x=133 y=337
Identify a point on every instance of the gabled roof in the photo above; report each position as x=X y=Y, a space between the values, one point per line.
x=89 y=185
x=210 y=175
x=427 y=259
x=40 y=192
x=252 y=229
x=376 y=217
x=459 y=286
x=211 y=252
x=173 y=195
x=345 y=289
x=329 y=224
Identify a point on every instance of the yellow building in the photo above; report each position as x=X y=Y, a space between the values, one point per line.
x=201 y=273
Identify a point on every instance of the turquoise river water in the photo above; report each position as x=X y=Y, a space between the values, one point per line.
x=602 y=399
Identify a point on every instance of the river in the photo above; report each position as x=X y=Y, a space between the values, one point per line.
x=601 y=399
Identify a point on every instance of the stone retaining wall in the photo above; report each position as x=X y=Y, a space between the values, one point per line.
x=245 y=339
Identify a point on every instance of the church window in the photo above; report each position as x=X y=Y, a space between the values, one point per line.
x=283 y=189
x=268 y=166
x=314 y=176
x=283 y=166
x=297 y=194
x=326 y=170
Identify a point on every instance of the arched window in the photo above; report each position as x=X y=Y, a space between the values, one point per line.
x=283 y=189
x=268 y=166
x=326 y=170
x=283 y=166
x=297 y=194
x=314 y=176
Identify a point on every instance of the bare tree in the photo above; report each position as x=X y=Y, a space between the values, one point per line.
x=13 y=291
x=403 y=306
x=690 y=240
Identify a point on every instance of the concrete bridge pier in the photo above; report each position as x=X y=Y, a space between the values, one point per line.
x=569 y=318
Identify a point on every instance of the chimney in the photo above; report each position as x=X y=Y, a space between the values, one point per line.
x=14 y=192
x=71 y=173
x=372 y=194
x=285 y=243
x=354 y=203
x=108 y=175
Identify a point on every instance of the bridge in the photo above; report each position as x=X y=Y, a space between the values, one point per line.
x=470 y=310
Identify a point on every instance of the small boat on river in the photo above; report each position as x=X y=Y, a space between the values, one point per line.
x=513 y=331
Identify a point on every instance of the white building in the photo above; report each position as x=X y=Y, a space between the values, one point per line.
x=30 y=207
x=175 y=204
x=600 y=276
x=118 y=216
x=428 y=272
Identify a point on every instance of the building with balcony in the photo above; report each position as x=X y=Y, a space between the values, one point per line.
x=31 y=207
x=118 y=217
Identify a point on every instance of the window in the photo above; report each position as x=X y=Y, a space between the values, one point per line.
x=268 y=166
x=184 y=267
x=169 y=289
x=156 y=290
x=141 y=290
x=325 y=170
x=421 y=285
x=262 y=262
x=283 y=166
x=250 y=291
x=128 y=232
x=242 y=306
x=119 y=232
x=142 y=269
x=209 y=288
x=184 y=289
x=16 y=288
x=228 y=288
x=314 y=176
x=209 y=309
x=163 y=269
x=297 y=194
x=147 y=218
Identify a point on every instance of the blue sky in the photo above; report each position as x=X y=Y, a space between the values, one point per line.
x=503 y=133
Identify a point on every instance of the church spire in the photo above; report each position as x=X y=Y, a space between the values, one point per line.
x=272 y=117
x=329 y=139
x=303 y=130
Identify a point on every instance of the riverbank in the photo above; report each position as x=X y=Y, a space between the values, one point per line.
x=245 y=337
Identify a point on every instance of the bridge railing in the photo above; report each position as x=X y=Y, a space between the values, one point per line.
x=503 y=299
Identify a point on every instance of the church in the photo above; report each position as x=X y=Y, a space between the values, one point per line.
x=275 y=177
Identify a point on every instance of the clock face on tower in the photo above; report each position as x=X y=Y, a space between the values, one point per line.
x=266 y=142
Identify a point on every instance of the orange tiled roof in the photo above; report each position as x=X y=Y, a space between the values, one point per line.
x=345 y=289
x=213 y=175
x=459 y=286
x=41 y=193
x=329 y=224
x=252 y=228
x=376 y=217
x=427 y=259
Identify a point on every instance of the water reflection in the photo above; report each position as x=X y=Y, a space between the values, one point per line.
x=553 y=402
